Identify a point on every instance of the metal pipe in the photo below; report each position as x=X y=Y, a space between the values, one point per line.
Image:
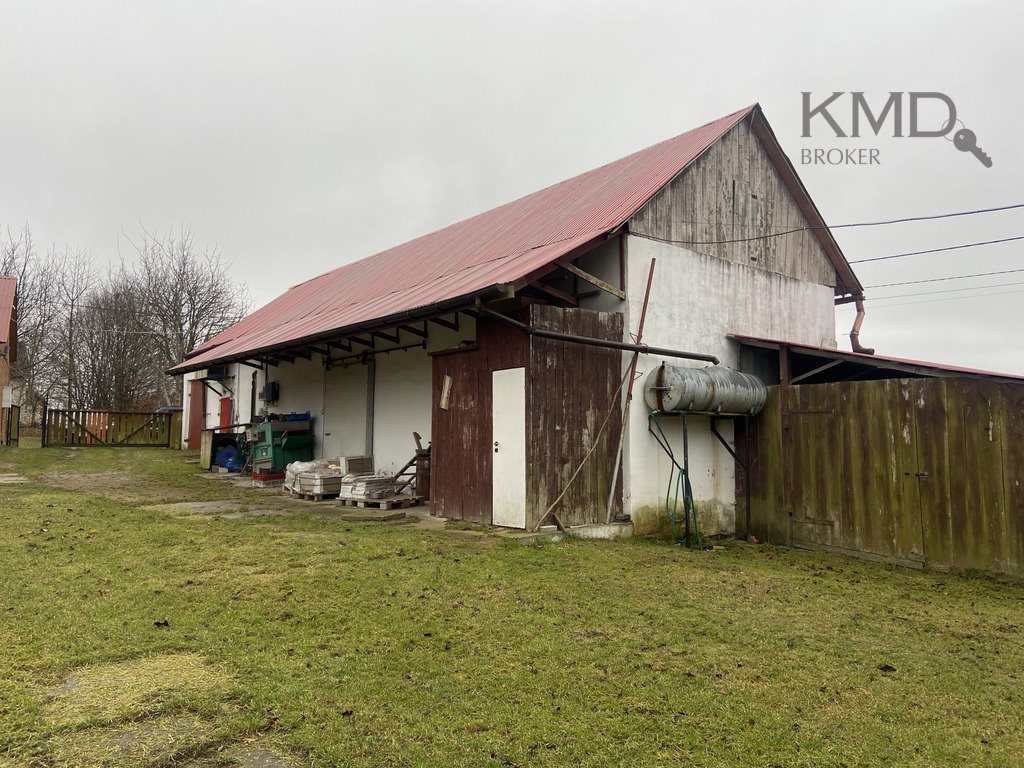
x=686 y=479
x=371 y=386
x=746 y=470
x=629 y=389
x=591 y=342
x=855 y=332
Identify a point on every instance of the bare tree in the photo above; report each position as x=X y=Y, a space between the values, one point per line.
x=34 y=373
x=74 y=276
x=115 y=352
x=187 y=296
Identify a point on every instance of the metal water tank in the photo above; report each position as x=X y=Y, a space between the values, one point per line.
x=714 y=390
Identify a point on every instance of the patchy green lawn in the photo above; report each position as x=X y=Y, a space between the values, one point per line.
x=136 y=636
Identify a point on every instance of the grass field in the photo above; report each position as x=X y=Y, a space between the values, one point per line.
x=131 y=634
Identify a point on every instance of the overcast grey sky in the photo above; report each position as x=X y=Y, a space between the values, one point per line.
x=299 y=136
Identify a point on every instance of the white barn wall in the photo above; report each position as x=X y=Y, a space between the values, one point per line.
x=337 y=399
x=696 y=300
x=403 y=396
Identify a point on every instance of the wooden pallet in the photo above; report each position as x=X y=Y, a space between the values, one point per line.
x=391 y=502
x=310 y=496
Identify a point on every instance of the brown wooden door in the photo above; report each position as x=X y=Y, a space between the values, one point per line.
x=196 y=412
x=852 y=469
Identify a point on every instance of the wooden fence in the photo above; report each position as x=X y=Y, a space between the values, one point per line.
x=84 y=428
x=920 y=472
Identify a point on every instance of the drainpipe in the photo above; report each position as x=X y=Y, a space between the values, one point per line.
x=855 y=332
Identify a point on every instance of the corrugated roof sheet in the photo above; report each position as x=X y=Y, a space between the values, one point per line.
x=877 y=361
x=502 y=245
x=8 y=292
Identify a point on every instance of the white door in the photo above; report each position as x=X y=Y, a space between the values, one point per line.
x=508 y=417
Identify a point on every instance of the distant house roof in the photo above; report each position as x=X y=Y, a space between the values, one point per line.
x=824 y=364
x=494 y=248
x=8 y=302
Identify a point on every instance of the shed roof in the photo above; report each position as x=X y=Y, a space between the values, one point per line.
x=8 y=296
x=494 y=248
x=822 y=363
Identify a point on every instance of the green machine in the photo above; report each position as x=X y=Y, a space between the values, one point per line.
x=279 y=443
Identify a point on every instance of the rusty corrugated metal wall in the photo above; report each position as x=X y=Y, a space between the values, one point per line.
x=920 y=472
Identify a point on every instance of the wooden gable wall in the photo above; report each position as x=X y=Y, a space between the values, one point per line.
x=733 y=191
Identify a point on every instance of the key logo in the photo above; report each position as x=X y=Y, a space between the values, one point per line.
x=907 y=114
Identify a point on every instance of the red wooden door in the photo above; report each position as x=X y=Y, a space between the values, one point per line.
x=196 y=413
x=225 y=413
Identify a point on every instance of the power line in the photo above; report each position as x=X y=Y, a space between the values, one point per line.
x=903 y=220
x=932 y=301
x=941 y=279
x=945 y=290
x=938 y=250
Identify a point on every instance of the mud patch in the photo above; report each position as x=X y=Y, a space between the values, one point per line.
x=130 y=689
x=146 y=743
x=229 y=509
x=116 y=486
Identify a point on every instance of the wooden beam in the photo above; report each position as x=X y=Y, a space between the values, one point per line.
x=344 y=347
x=415 y=331
x=449 y=324
x=393 y=338
x=320 y=351
x=819 y=369
x=555 y=293
x=371 y=343
x=272 y=361
x=592 y=279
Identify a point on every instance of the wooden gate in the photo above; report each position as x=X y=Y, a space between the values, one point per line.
x=10 y=425
x=85 y=428
x=912 y=471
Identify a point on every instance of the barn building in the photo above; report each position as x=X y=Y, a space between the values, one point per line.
x=470 y=335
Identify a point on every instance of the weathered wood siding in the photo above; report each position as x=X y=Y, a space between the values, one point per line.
x=569 y=390
x=460 y=472
x=921 y=472
x=731 y=192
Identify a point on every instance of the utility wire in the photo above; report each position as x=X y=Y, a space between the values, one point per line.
x=903 y=220
x=876 y=307
x=941 y=279
x=938 y=250
x=945 y=290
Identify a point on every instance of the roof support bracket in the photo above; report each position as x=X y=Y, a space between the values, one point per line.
x=414 y=331
x=819 y=369
x=452 y=325
x=592 y=279
x=550 y=290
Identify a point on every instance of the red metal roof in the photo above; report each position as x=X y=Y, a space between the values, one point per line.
x=8 y=292
x=878 y=361
x=500 y=246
